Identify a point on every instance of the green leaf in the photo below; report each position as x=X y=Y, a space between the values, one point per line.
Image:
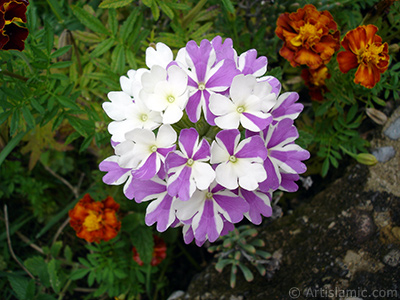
x=246 y=272
x=55 y=248
x=53 y=273
x=78 y=125
x=48 y=37
x=90 y=21
x=68 y=253
x=128 y=25
x=19 y=285
x=4 y=116
x=142 y=239
x=91 y=278
x=222 y=263
x=103 y=47
x=166 y=9
x=14 y=121
x=60 y=51
x=155 y=10
x=148 y=3
x=38 y=267
x=112 y=21
x=61 y=65
x=325 y=167
x=36 y=105
x=45 y=297
x=86 y=143
x=67 y=102
x=114 y=3
x=57 y=10
x=118 y=59
x=120 y=274
x=72 y=137
x=228 y=5
x=130 y=59
x=78 y=274
x=30 y=120
x=352 y=113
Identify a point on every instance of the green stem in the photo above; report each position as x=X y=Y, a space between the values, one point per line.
x=5 y=72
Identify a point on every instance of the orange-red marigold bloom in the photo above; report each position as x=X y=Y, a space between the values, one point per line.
x=314 y=79
x=310 y=37
x=159 y=252
x=12 y=35
x=95 y=221
x=364 y=51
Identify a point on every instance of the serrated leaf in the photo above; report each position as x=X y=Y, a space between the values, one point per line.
x=40 y=139
x=90 y=21
x=68 y=253
x=19 y=285
x=67 y=102
x=325 y=167
x=78 y=274
x=91 y=278
x=148 y=3
x=112 y=21
x=118 y=59
x=166 y=9
x=114 y=3
x=128 y=25
x=56 y=248
x=155 y=10
x=38 y=267
x=60 y=51
x=14 y=121
x=87 y=37
x=120 y=274
x=228 y=5
x=36 y=105
x=29 y=119
x=45 y=297
x=53 y=273
x=103 y=47
x=142 y=239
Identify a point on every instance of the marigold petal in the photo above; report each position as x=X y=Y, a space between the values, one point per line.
x=110 y=218
x=367 y=76
x=309 y=58
x=347 y=61
x=110 y=203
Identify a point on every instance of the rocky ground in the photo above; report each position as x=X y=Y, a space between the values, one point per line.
x=343 y=243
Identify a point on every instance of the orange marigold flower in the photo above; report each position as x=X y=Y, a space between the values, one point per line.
x=364 y=51
x=95 y=221
x=310 y=37
x=159 y=252
x=314 y=79
x=12 y=34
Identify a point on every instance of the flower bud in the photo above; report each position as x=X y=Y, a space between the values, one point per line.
x=366 y=159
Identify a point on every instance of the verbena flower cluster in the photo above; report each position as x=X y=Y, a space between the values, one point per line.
x=205 y=137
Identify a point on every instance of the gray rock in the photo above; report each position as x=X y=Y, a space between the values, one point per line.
x=383 y=154
x=393 y=131
x=392 y=258
x=176 y=295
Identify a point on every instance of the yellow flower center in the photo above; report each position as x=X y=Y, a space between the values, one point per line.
x=144 y=117
x=370 y=54
x=190 y=162
x=171 y=99
x=240 y=109
x=153 y=148
x=319 y=77
x=92 y=221
x=308 y=33
x=209 y=195
x=202 y=86
x=232 y=158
